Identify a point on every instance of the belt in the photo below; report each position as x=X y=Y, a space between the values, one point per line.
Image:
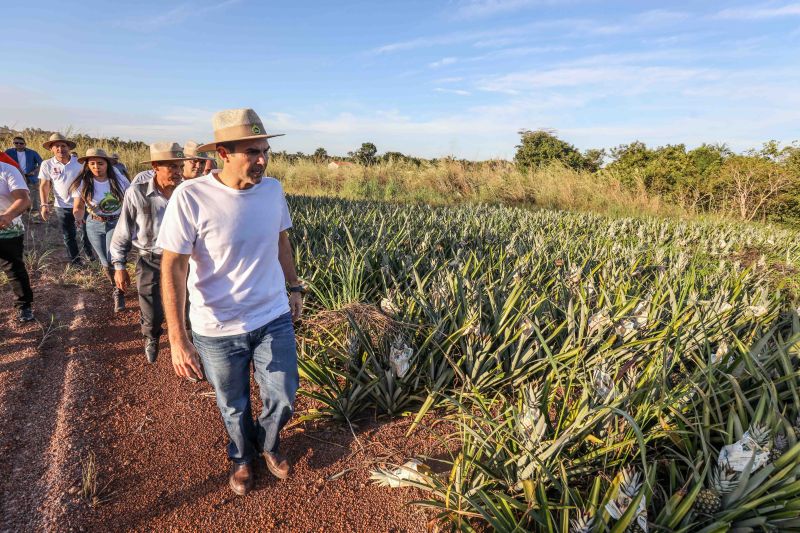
x=103 y=219
x=148 y=253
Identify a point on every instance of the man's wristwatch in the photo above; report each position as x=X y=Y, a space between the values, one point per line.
x=298 y=288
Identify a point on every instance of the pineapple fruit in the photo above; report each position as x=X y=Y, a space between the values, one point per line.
x=709 y=500
x=779 y=445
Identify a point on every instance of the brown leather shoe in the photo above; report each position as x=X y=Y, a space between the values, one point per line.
x=241 y=479
x=277 y=464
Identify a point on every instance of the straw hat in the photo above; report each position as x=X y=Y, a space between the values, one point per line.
x=96 y=152
x=57 y=137
x=190 y=151
x=166 y=151
x=236 y=125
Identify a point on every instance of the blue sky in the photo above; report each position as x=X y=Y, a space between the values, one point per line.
x=456 y=77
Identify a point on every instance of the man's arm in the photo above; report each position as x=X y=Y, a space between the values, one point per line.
x=122 y=240
x=44 y=196
x=174 y=268
x=286 y=259
x=37 y=163
x=21 y=202
x=79 y=210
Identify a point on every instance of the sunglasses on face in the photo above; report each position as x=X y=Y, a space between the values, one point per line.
x=17 y=142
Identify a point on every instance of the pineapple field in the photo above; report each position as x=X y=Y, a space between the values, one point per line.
x=592 y=373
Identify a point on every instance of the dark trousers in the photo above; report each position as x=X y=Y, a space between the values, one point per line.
x=67 y=220
x=12 y=264
x=148 y=283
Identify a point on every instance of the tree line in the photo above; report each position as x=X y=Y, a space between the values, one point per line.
x=759 y=184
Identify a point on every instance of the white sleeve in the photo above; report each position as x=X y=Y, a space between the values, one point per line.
x=14 y=177
x=77 y=192
x=43 y=171
x=178 y=230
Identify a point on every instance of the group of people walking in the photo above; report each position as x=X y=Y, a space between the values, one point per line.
x=211 y=244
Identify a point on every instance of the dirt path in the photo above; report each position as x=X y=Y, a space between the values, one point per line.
x=158 y=441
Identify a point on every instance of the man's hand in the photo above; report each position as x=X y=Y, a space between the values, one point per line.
x=185 y=360
x=296 y=305
x=5 y=221
x=45 y=211
x=122 y=279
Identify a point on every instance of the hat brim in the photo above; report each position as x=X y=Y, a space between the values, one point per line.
x=167 y=160
x=213 y=146
x=47 y=144
x=85 y=158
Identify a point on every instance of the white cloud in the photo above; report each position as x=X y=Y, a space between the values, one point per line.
x=459 y=92
x=487 y=8
x=765 y=11
x=443 y=62
x=176 y=15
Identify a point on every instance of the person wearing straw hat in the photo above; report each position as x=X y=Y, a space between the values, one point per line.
x=98 y=192
x=139 y=222
x=15 y=200
x=195 y=165
x=57 y=174
x=231 y=227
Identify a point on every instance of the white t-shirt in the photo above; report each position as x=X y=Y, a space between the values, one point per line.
x=62 y=177
x=22 y=158
x=236 y=283
x=11 y=179
x=104 y=203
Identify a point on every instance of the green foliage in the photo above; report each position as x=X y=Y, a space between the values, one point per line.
x=365 y=155
x=540 y=148
x=320 y=155
x=571 y=353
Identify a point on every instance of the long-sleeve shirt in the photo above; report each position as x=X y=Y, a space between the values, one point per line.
x=142 y=212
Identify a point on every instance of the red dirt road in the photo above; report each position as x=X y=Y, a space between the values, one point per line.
x=159 y=442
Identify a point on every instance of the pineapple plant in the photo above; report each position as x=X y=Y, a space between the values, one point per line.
x=630 y=482
x=583 y=523
x=709 y=500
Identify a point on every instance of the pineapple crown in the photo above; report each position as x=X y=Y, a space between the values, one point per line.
x=723 y=479
x=630 y=482
x=759 y=434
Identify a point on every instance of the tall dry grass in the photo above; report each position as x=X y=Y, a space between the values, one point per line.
x=444 y=182
x=130 y=154
x=452 y=182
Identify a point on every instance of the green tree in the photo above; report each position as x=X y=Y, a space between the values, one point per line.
x=365 y=155
x=539 y=148
x=320 y=155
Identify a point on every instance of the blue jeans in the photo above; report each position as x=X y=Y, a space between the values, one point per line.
x=226 y=363
x=100 y=234
x=67 y=221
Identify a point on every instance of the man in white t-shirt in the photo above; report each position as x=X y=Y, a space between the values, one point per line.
x=57 y=174
x=231 y=227
x=14 y=200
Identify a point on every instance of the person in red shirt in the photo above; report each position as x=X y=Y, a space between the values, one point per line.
x=5 y=158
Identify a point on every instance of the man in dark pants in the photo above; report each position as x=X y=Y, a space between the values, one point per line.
x=14 y=200
x=57 y=174
x=138 y=225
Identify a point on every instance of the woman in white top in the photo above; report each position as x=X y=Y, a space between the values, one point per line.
x=99 y=190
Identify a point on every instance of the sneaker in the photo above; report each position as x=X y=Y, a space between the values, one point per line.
x=119 y=300
x=25 y=314
x=151 y=350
